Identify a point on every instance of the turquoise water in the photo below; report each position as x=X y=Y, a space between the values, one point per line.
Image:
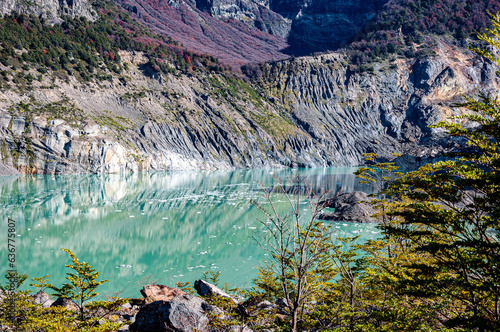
x=165 y=227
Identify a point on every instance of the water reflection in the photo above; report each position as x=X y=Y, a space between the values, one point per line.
x=172 y=226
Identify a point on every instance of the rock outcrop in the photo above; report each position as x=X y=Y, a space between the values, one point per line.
x=50 y=10
x=160 y=293
x=306 y=112
x=8 y=170
x=351 y=207
x=66 y=304
x=253 y=13
x=182 y=313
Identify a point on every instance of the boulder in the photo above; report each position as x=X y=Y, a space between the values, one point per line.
x=42 y=298
x=282 y=302
x=160 y=293
x=182 y=313
x=65 y=303
x=350 y=207
x=207 y=289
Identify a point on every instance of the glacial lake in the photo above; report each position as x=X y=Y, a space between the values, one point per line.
x=165 y=227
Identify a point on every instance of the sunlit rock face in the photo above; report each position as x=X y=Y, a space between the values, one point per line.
x=319 y=25
x=51 y=10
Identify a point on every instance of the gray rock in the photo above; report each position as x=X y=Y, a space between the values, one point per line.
x=182 y=313
x=282 y=302
x=51 y=10
x=204 y=288
x=351 y=207
x=42 y=298
x=238 y=328
x=266 y=305
x=124 y=328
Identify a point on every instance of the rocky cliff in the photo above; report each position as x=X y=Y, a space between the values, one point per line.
x=319 y=25
x=311 y=111
x=51 y=10
x=386 y=111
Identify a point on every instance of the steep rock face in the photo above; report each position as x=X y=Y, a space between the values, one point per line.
x=311 y=111
x=51 y=10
